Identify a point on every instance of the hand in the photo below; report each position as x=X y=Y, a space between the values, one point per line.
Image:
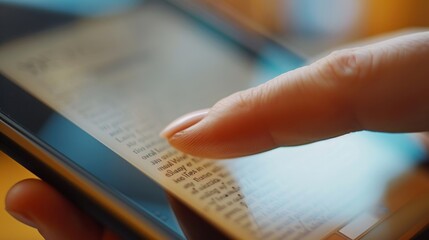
x=37 y=204
x=380 y=87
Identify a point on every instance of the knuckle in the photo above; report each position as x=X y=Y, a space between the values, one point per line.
x=347 y=73
x=348 y=64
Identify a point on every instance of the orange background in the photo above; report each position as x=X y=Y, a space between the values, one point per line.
x=377 y=17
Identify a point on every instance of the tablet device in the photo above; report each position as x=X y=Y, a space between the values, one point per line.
x=82 y=102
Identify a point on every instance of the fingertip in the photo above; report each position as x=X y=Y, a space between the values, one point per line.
x=18 y=198
x=183 y=123
x=222 y=135
x=17 y=204
x=37 y=204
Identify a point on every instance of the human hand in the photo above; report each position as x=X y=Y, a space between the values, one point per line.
x=379 y=87
x=39 y=205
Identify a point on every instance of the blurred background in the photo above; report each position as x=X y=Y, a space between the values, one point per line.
x=313 y=26
x=300 y=22
x=310 y=26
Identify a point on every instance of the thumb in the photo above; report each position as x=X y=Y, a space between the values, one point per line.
x=380 y=87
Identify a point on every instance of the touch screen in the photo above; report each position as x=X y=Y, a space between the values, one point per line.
x=123 y=78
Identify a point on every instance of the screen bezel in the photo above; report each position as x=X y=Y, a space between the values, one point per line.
x=21 y=119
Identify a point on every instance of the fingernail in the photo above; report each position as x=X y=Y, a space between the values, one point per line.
x=183 y=123
x=23 y=218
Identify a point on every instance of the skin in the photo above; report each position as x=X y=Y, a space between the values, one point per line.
x=379 y=87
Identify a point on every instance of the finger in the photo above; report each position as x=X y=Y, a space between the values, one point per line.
x=380 y=87
x=37 y=204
